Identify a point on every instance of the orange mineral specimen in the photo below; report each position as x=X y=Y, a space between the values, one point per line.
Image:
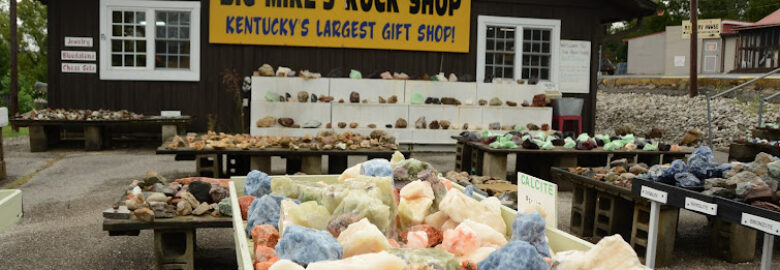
x=263 y=253
x=265 y=235
x=244 y=202
x=266 y=264
x=434 y=235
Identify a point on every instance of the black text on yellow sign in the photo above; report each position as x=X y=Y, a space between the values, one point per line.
x=417 y=25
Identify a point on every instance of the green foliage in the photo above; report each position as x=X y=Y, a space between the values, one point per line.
x=33 y=49
x=676 y=11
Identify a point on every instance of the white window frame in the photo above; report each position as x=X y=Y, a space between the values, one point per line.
x=149 y=72
x=519 y=23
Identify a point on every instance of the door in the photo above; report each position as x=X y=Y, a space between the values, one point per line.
x=710 y=59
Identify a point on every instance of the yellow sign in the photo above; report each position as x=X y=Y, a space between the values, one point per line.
x=415 y=25
x=707 y=29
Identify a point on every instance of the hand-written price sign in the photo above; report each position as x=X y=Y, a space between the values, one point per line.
x=535 y=191
x=416 y=25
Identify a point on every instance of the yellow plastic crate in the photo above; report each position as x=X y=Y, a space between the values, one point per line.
x=10 y=207
x=559 y=240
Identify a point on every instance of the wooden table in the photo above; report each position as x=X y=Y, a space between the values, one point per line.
x=44 y=133
x=747 y=151
x=489 y=161
x=771 y=134
x=240 y=162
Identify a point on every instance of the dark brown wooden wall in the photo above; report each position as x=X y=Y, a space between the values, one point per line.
x=580 y=20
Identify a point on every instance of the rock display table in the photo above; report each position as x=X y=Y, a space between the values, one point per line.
x=601 y=209
x=747 y=151
x=97 y=133
x=772 y=134
x=240 y=162
x=10 y=207
x=488 y=161
x=733 y=237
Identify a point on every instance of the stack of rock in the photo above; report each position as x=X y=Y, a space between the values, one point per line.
x=619 y=173
x=325 y=140
x=88 y=115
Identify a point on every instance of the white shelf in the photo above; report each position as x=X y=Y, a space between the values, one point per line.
x=463 y=91
x=457 y=115
x=300 y=112
x=280 y=85
x=367 y=113
x=516 y=115
x=434 y=136
x=512 y=92
x=369 y=89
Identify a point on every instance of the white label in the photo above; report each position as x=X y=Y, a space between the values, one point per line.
x=3 y=116
x=700 y=206
x=574 y=66
x=78 y=55
x=653 y=194
x=170 y=113
x=679 y=61
x=535 y=191
x=762 y=224
x=78 y=68
x=78 y=42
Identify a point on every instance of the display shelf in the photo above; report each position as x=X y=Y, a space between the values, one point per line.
x=457 y=115
x=281 y=85
x=434 y=136
x=463 y=91
x=509 y=92
x=402 y=135
x=300 y=112
x=369 y=89
x=367 y=113
x=516 y=115
x=283 y=131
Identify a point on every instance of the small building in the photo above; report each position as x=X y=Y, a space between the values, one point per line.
x=667 y=53
x=148 y=56
x=758 y=45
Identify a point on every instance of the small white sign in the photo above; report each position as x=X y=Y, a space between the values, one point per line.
x=762 y=224
x=3 y=116
x=78 y=42
x=653 y=194
x=532 y=190
x=700 y=206
x=574 y=66
x=78 y=68
x=78 y=55
x=170 y=113
x=679 y=61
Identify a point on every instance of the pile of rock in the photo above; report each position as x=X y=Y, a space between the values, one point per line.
x=89 y=115
x=620 y=173
x=675 y=115
x=325 y=140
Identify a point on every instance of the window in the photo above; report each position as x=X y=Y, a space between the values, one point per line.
x=517 y=48
x=150 y=40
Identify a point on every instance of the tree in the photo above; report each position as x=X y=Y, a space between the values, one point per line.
x=33 y=49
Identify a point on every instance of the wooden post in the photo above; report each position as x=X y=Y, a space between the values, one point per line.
x=2 y=159
x=693 y=90
x=14 y=61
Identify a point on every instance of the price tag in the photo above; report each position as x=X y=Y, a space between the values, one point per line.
x=700 y=206
x=762 y=224
x=170 y=113
x=653 y=194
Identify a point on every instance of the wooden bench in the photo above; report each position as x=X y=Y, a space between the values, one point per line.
x=97 y=135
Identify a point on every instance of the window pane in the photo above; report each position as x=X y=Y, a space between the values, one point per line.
x=491 y=31
x=173 y=32
x=160 y=47
x=545 y=74
x=129 y=46
x=159 y=61
x=140 y=31
x=490 y=45
x=500 y=46
x=128 y=31
x=116 y=60
x=173 y=18
x=184 y=48
x=160 y=31
x=173 y=48
x=185 y=18
x=129 y=60
x=184 y=33
x=172 y=62
x=161 y=18
x=116 y=31
x=184 y=62
x=140 y=46
x=546 y=47
x=116 y=46
x=116 y=17
x=140 y=18
x=129 y=17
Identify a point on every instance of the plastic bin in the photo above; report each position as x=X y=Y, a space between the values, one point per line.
x=568 y=106
x=559 y=240
x=10 y=207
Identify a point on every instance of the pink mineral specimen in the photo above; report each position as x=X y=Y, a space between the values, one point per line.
x=461 y=241
x=244 y=202
x=416 y=239
x=266 y=264
x=263 y=253
x=265 y=235
x=433 y=235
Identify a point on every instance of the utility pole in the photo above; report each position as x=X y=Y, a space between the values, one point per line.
x=14 y=61
x=693 y=90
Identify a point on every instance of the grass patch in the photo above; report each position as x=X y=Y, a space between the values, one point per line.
x=8 y=132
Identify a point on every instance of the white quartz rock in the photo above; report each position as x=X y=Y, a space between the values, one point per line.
x=373 y=261
x=362 y=237
x=285 y=265
x=460 y=207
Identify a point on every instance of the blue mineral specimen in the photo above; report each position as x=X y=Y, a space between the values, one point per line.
x=530 y=228
x=702 y=164
x=257 y=184
x=265 y=210
x=687 y=180
x=469 y=191
x=304 y=245
x=514 y=255
x=376 y=167
x=678 y=166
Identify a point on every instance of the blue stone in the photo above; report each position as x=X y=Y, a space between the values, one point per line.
x=265 y=210
x=530 y=228
x=702 y=164
x=376 y=167
x=257 y=184
x=305 y=245
x=687 y=180
x=469 y=191
x=514 y=255
x=678 y=166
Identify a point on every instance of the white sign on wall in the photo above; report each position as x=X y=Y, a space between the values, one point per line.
x=534 y=191
x=79 y=68
x=679 y=61
x=78 y=55
x=3 y=116
x=78 y=42
x=574 y=66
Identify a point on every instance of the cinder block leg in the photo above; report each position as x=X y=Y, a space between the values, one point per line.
x=168 y=131
x=667 y=231
x=260 y=163
x=733 y=242
x=175 y=249
x=311 y=165
x=208 y=165
x=583 y=207
x=39 y=141
x=494 y=164
x=93 y=138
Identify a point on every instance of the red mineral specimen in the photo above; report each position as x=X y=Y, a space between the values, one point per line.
x=244 y=202
x=265 y=235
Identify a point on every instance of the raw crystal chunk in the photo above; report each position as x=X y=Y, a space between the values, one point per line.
x=432 y=257
x=263 y=253
x=257 y=184
x=285 y=265
x=417 y=189
x=437 y=219
x=486 y=233
x=373 y=261
x=350 y=172
x=265 y=235
x=530 y=228
x=284 y=217
x=460 y=207
x=304 y=245
x=339 y=223
x=310 y=214
x=264 y=210
x=376 y=167
x=417 y=239
x=478 y=255
x=515 y=255
x=609 y=253
x=362 y=237
x=244 y=202
x=433 y=235
x=412 y=212
x=225 y=208
x=366 y=206
x=461 y=241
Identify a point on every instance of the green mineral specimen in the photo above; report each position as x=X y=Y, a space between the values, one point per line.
x=569 y=143
x=583 y=137
x=518 y=127
x=284 y=186
x=629 y=138
x=354 y=74
x=650 y=147
x=366 y=206
x=610 y=146
x=504 y=142
x=433 y=257
x=271 y=96
x=547 y=145
x=603 y=138
x=310 y=215
x=225 y=207
x=417 y=98
x=150 y=181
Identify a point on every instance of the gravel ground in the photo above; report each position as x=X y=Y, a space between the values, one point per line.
x=63 y=201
